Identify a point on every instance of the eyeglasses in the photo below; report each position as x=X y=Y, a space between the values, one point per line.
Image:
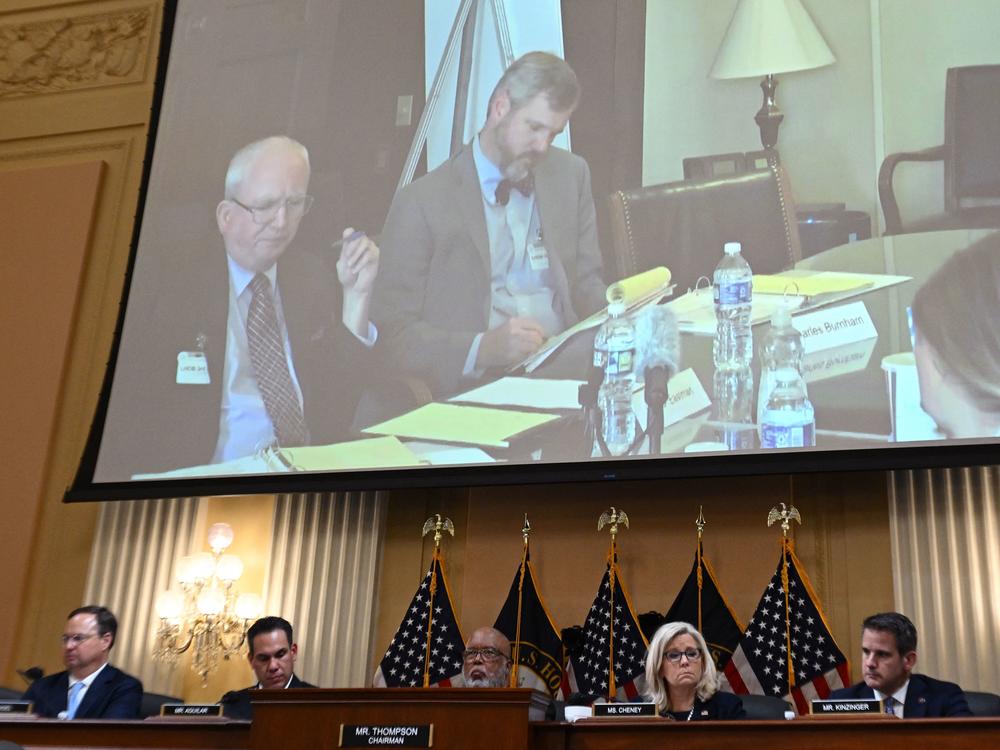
x=674 y=657
x=295 y=207
x=488 y=655
x=76 y=638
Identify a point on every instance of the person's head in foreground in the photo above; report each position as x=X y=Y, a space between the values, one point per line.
x=529 y=107
x=486 y=661
x=272 y=652
x=679 y=668
x=888 y=651
x=957 y=342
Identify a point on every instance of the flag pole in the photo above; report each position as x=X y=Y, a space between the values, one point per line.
x=437 y=524
x=525 y=532
x=700 y=523
x=613 y=518
x=786 y=516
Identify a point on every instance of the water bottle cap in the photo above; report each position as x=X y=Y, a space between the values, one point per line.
x=782 y=317
x=616 y=308
x=732 y=248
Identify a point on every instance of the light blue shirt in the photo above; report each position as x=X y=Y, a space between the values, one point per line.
x=518 y=288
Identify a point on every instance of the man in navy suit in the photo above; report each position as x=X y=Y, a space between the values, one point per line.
x=90 y=688
x=272 y=659
x=889 y=653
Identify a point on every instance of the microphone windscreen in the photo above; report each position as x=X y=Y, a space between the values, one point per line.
x=659 y=343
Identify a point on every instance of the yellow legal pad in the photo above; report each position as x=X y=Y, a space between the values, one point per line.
x=813 y=285
x=373 y=453
x=458 y=423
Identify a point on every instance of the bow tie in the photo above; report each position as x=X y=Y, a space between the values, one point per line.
x=524 y=186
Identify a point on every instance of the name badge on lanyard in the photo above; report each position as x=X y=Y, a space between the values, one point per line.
x=538 y=256
x=192 y=366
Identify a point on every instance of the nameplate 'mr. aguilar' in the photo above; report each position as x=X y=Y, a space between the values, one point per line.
x=191 y=710
x=382 y=735
x=847 y=706
x=624 y=710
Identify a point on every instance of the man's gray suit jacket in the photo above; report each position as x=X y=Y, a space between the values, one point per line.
x=433 y=291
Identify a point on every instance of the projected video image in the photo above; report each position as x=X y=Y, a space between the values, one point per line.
x=371 y=243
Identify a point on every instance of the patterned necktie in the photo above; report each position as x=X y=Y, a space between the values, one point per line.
x=524 y=186
x=889 y=704
x=270 y=366
x=75 y=695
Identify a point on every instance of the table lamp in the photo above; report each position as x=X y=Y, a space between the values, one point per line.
x=764 y=38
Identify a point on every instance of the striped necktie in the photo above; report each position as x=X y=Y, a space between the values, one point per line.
x=889 y=705
x=270 y=366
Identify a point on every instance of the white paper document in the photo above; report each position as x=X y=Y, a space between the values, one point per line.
x=530 y=393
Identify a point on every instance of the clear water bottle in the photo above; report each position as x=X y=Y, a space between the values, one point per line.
x=782 y=347
x=732 y=285
x=788 y=420
x=731 y=405
x=615 y=398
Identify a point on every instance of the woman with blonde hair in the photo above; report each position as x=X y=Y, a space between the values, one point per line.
x=681 y=677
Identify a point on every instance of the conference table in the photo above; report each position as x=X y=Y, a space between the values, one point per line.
x=846 y=384
x=497 y=719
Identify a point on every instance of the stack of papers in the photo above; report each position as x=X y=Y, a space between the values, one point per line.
x=802 y=290
x=458 y=423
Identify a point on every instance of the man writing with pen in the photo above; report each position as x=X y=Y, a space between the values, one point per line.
x=265 y=343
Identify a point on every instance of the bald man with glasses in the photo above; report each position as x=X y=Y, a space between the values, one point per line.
x=90 y=688
x=486 y=661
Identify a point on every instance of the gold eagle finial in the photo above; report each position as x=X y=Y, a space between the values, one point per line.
x=437 y=524
x=614 y=518
x=786 y=515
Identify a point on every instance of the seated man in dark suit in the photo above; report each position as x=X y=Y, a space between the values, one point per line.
x=888 y=655
x=486 y=662
x=90 y=688
x=272 y=658
x=234 y=348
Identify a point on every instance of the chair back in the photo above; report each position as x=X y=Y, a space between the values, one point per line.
x=972 y=134
x=764 y=706
x=983 y=704
x=151 y=703
x=683 y=225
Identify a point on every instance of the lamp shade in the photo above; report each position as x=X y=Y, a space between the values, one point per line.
x=766 y=37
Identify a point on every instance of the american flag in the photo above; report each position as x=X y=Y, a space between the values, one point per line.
x=612 y=656
x=788 y=650
x=405 y=662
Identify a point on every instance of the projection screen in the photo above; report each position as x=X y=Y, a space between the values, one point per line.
x=295 y=320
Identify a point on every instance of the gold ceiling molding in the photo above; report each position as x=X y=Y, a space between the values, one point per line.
x=75 y=52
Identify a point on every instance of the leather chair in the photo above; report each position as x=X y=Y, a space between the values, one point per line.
x=683 y=225
x=10 y=694
x=151 y=703
x=764 y=706
x=983 y=704
x=970 y=152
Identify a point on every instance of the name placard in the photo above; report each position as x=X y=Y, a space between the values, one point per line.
x=9 y=708
x=847 y=706
x=624 y=710
x=394 y=735
x=842 y=360
x=835 y=326
x=191 y=710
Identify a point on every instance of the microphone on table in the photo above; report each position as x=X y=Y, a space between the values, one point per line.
x=656 y=327
x=587 y=395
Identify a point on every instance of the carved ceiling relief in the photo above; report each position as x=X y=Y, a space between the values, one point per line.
x=73 y=53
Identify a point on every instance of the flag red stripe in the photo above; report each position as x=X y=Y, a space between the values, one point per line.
x=630 y=691
x=735 y=681
x=801 y=704
x=844 y=670
x=822 y=686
